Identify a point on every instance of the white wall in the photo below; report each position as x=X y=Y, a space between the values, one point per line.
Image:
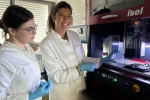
x=52 y=0
x=78 y=7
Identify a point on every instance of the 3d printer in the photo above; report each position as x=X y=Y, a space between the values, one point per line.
x=128 y=78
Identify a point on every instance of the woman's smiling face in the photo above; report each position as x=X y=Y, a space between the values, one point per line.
x=62 y=19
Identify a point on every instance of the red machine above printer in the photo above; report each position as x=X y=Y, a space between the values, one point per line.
x=115 y=10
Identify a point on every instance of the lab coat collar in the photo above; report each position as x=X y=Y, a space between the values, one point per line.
x=29 y=56
x=13 y=45
x=56 y=35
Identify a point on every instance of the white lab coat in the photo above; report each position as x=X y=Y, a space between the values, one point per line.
x=19 y=72
x=60 y=58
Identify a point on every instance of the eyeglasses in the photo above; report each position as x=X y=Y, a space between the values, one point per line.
x=30 y=30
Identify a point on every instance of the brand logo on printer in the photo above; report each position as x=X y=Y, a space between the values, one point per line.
x=135 y=12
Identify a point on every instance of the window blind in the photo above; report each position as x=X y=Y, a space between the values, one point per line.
x=40 y=12
x=3 y=5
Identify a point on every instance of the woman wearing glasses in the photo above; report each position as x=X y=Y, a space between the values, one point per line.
x=19 y=70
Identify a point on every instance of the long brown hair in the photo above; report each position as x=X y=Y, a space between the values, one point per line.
x=54 y=10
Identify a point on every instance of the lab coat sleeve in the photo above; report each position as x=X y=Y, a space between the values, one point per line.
x=54 y=68
x=96 y=61
x=6 y=76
